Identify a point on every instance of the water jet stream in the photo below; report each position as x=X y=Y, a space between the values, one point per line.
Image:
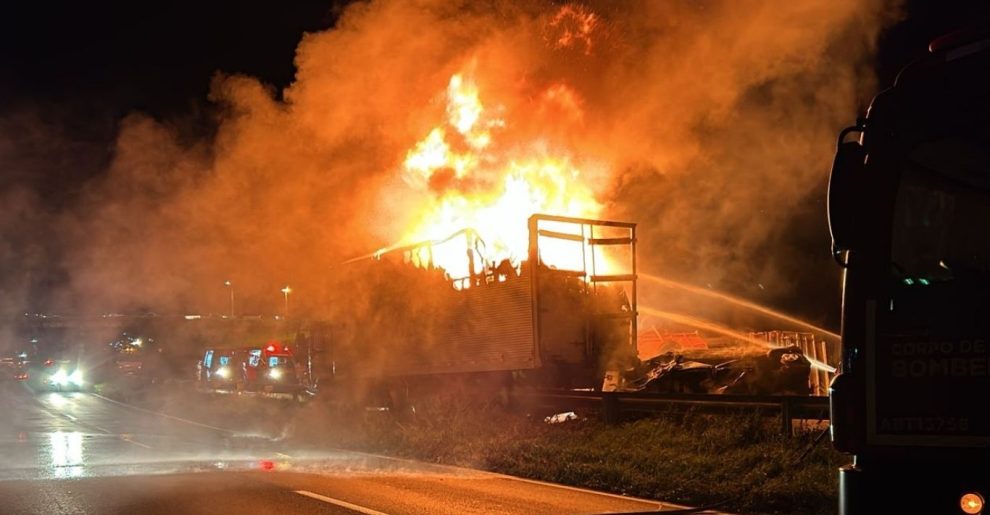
x=738 y=302
x=707 y=325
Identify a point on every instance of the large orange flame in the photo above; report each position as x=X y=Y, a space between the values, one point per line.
x=474 y=184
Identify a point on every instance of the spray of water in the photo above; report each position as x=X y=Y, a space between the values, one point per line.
x=668 y=283
x=708 y=325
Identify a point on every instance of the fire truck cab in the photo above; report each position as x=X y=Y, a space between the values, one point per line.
x=272 y=369
x=909 y=212
x=221 y=369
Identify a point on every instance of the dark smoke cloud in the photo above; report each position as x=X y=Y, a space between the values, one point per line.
x=709 y=122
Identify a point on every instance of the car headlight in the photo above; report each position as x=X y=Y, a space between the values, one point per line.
x=76 y=378
x=275 y=374
x=223 y=372
x=59 y=377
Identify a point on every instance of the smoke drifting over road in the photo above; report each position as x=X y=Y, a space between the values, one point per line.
x=708 y=122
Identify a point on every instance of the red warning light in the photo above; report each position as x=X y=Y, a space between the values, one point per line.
x=267 y=464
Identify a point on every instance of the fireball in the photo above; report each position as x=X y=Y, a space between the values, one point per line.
x=474 y=183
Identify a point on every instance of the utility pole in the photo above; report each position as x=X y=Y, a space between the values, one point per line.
x=286 y=291
x=230 y=286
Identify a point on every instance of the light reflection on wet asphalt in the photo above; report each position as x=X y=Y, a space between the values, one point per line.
x=52 y=435
x=49 y=435
x=80 y=453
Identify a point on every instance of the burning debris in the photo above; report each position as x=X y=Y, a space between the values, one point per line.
x=781 y=371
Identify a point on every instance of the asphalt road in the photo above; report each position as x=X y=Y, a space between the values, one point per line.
x=79 y=453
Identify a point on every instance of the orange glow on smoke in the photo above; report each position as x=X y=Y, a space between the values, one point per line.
x=475 y=184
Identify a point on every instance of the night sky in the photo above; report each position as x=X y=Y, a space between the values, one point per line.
x=113 y=55
x=80 y=67
x=105 y=59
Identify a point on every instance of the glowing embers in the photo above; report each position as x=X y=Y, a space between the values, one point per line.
x=574 y=26
x=66 y=453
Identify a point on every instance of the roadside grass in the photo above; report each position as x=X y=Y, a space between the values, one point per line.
x=678 y=456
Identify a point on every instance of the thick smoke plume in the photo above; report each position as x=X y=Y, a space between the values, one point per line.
x=708 y=122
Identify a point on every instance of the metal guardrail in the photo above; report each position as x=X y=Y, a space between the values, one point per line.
x=613 y=404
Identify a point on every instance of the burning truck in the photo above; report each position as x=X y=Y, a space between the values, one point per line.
x=565 y=318
x=557 y=321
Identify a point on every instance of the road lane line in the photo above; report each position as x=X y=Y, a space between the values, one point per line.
x=63 y=415
x=659 y=504
x=338 y=502
x=160 y=414
x=135 y=442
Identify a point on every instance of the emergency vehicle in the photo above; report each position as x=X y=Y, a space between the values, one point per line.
x=909 y=212
x=273 y=369
x=270 y=368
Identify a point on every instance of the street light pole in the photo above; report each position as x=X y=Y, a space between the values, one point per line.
x=230 y=286
x=286 y=291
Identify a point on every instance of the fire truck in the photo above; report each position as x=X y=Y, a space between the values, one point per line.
x=270 y=368
x=273 y=369
x=909 y=213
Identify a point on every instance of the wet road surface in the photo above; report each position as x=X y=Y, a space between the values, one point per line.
x=80 y=453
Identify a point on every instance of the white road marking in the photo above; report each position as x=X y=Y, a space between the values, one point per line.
x=135 y=442
x=659 y=504
x=338 y=502
x=160 y=414
x=62 y=415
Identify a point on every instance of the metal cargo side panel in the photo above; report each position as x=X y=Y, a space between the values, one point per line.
x=488 y=328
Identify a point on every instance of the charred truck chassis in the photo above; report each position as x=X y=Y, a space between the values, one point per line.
x=412 y=325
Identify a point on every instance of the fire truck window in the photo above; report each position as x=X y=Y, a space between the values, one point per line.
x=273 y=361
x=254 y=360
x=224 y=360
x=208 y=359
x=942 y=215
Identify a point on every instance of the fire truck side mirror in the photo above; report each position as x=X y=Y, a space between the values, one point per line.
x=844 y=191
